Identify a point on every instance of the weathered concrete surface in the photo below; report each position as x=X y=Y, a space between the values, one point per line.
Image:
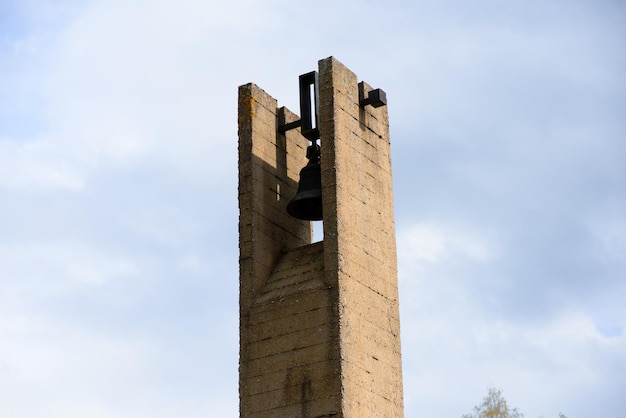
x=319 y=329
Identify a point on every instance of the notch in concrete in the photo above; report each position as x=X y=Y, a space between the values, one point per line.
x=375 y=98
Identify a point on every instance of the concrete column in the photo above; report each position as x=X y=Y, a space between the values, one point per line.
x=360 y=244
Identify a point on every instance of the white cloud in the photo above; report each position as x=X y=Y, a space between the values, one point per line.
x=44 y=360
x=456 y=340
x=541 y=366
x=433 y=242
x=136 y=85
x=61 y=264
x=37 y=166
x=608 y=234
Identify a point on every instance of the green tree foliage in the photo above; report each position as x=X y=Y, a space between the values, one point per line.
x=495 y=406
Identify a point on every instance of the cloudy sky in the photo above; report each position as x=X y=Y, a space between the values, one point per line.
x=118 y=196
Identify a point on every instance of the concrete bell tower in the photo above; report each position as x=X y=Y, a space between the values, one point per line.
x=319 y=322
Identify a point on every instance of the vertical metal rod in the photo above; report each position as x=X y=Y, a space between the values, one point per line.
x=309 y=106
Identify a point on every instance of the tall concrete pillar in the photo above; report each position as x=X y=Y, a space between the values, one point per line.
x=319 y=322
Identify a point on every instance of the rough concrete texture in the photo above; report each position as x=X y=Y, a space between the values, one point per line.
x=360 y=245
x=269 y=166
x=319 y=328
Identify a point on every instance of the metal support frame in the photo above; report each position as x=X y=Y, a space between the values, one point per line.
x=308 y=115
x=375 y=98
x=309 y=108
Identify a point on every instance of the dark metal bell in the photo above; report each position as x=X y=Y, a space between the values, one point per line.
x=307 y=203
